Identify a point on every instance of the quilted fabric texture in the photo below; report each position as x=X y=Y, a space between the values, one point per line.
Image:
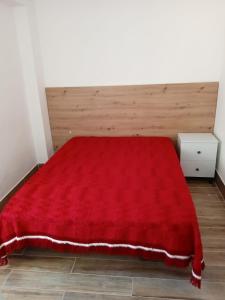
x=124 y=195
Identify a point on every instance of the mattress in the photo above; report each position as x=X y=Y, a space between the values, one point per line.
x=115 y=195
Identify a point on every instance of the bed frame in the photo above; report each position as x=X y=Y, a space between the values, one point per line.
x=157 y=110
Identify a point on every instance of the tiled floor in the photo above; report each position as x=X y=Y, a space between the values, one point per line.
x=45 y=275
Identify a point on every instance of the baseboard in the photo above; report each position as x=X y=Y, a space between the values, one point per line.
x=16 y=188
x=220 y=184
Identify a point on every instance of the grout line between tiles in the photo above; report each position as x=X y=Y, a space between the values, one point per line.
x=73 y=266
x=63 y=295
x=132 y=286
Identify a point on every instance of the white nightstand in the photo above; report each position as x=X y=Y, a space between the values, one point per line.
x=198 y=154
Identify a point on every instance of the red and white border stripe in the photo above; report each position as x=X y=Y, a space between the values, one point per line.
x=98 y=244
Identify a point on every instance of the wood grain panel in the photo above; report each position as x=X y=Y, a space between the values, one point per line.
x=145 y=110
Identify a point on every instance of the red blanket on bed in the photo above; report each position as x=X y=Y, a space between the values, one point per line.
x=112 y=195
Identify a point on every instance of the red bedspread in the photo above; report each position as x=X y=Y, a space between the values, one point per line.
x=111 y=195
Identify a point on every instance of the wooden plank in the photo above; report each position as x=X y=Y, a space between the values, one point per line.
x=211 y=221
x=205 y=211
x=213 y=237
x=32 y=295
x=213 y=243
x=158 y=109
x=214 y=274
x=207 y=200
x=204 y=190
x=85 y=296
x=177 y=289
x=214 y=258
x=3 y=274
x=128 y=268
x=213 y=231
x=69 y=282
x=34 y=263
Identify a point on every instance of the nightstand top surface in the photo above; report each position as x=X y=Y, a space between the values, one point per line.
x=197 y=137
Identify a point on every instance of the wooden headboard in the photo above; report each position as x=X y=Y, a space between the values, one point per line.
x=159 y=109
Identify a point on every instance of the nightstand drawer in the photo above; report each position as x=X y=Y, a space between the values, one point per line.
x=198 y=151
x=198 y=168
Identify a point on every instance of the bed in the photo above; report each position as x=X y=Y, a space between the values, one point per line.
x=117 y=195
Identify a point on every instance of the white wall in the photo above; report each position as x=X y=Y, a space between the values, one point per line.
x=24 y=125
x=105 y=42
x=17 y=155
x=220 y=125
x=28 y=41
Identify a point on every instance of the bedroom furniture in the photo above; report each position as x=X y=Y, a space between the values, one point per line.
x=134 y=110
x=198 y=154
x=109 y=195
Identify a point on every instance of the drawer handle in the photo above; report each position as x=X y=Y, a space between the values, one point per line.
x=199 y=152
x=197 y=169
